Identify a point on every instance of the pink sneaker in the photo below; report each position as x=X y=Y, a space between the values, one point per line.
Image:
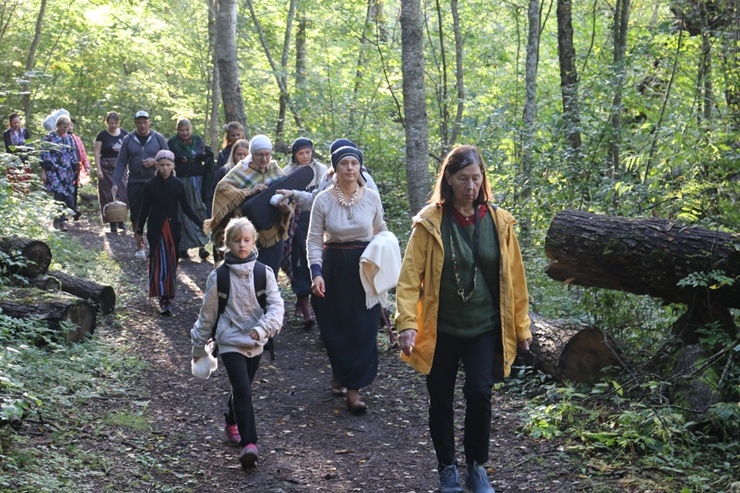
x=232 y=434
x=249 y=455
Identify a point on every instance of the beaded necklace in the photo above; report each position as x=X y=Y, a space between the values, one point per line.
x=344 y=203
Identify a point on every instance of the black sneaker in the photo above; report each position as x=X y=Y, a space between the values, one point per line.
x=122 y=227
x=184 y=254
x=165 y=311
x=113 y=228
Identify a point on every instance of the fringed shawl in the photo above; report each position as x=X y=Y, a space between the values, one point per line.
x=235 y=187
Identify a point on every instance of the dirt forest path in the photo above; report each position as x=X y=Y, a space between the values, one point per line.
x=308 y=441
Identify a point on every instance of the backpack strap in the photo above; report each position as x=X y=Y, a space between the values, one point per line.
x=260 y=284
x=223 y=287
x=260 y=289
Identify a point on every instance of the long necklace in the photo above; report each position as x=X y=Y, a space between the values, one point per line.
x=476 y=242
x=344 y=203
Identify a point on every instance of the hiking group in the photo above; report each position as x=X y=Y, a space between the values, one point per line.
x=461 y=290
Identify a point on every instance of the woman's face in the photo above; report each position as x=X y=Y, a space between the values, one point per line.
x=112 y=125
x=184 y=132
x=466 y=184
x=262 y=158
x=240 y=154
x=241 y=245
x=234 y=135
x=15 y=123
x=63 y=128
x=165 y=167
x=304 y=155
x=348 y=169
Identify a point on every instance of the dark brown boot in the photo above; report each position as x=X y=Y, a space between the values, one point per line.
x=354 y=403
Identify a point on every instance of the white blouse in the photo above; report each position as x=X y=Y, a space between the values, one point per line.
x=331 y=223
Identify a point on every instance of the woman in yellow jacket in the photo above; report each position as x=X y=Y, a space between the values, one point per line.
x=462 y=297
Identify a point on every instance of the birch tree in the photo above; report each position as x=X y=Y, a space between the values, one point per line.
x=414 y=104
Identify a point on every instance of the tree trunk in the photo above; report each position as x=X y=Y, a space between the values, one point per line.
x=34 y=255
x=529 y=117
x=568 y=74
x=644 y=256
x=275 y=69
x=51 y=307
x=280 y=127
x=104 y=296
x=459 y=74
x=361 y=61
x=414 y=104
x=301 y=53
x=31 y=59
x=214 y=127
x=228 y=69
x=621 y=22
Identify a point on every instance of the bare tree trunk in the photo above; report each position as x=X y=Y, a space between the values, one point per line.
x=361 y=60
x=301 y=55
x=731 y=64
x=459 y=73
x=280 y=127
x=275 y=68
x=231 y=90
x=705 y=65
x=568 y=74
x=621 y=24
x=213 y=126
x=414 y=104
x=442 y=98
x=31 y=59
x=529 y=117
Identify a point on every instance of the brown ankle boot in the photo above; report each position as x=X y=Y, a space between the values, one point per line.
x=354 y=403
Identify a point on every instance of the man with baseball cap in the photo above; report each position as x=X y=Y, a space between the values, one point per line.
x=137 y=153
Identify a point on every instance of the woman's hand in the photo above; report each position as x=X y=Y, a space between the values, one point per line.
x=257 y=189
x=317 y=286
x=114 y=191
x=407 y=340
x=286 y=193
x=524 y=345
x=254 y=335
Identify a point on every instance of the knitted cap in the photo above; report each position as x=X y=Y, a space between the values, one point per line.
x=165 y=154
x=343 y=152
x=340 y=143
x=298 y=144
x=259 y=142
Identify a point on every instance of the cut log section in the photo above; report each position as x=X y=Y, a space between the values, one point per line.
x=645 y=256
x=587 y=355
x=34 y=254
x=51 y=307
x=104 y=296
x=569 y=351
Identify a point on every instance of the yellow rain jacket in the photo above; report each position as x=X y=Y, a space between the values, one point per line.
x=417 y=293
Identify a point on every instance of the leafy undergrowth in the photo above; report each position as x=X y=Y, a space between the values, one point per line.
x=120 y=412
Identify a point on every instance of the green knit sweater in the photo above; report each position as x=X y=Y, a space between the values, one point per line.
x=480 y=314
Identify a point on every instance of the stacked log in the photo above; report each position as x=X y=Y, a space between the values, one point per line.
x=103 y=296
x=51 y=307
x=64 y=298
x=34 y=255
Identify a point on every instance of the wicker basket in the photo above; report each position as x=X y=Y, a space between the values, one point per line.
x=116 y=212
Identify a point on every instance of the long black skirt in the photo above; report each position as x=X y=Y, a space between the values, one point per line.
x=349 y=330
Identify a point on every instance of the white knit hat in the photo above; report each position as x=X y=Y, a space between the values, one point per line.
x=259 y=142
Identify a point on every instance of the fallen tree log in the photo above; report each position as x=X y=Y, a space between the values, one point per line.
x=51 y=307
x=569 y=351
x=102 y=295
x=643 y=256
x=33 y=254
